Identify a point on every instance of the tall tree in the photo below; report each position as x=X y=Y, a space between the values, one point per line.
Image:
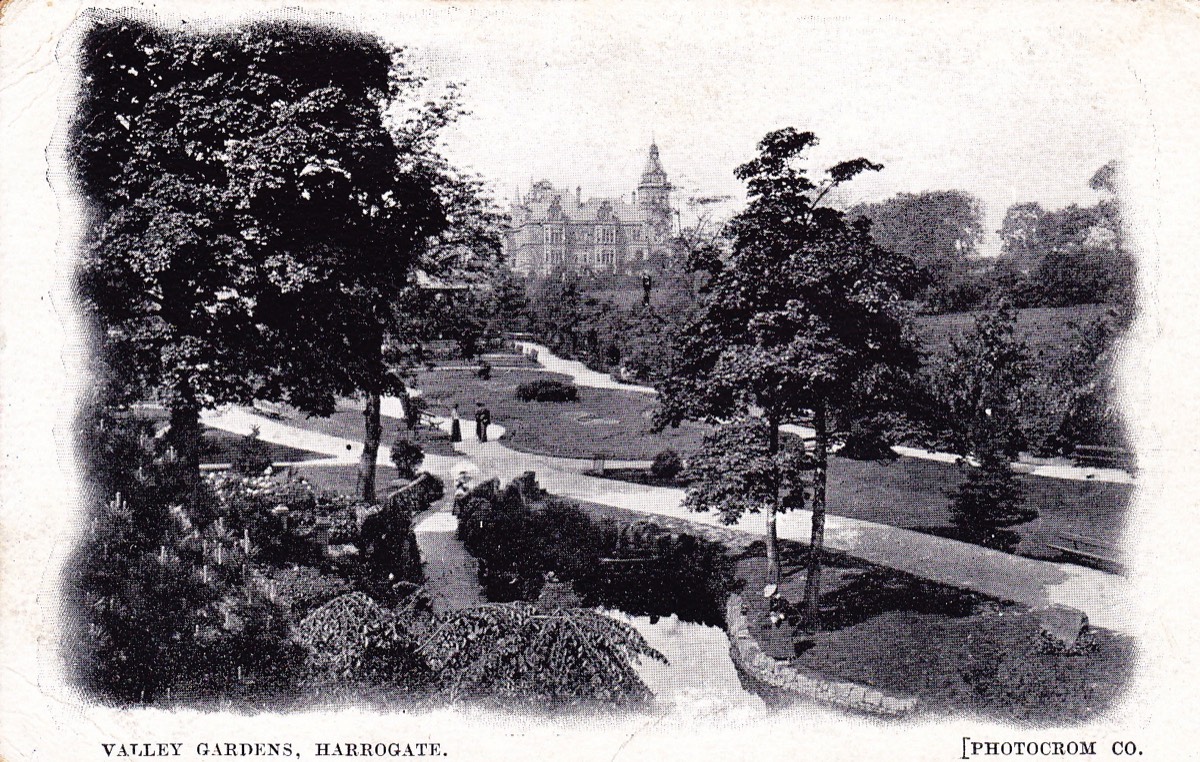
x=253 y=213
x=464 y=255
x=1018 y=235
x=940 y=230
x=980 y=387
x=803 y=304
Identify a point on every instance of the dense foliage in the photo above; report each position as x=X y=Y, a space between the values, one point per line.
x=666 y=464
x=939 y=230
x=547 y=390
x=803 y=319
x=735 y=472
x=521 y=537
x=552 y=656
x=406 y=455
x=254 y=215
x=251 y=456
x=197 y=596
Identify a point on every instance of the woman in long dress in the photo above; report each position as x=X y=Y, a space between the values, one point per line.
x=455 y=426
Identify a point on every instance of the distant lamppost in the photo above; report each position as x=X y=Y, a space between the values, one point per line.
x=647 y=284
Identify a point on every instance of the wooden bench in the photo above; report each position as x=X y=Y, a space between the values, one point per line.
x=1088 y=550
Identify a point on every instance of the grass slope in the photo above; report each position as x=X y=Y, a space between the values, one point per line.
x=616 y=423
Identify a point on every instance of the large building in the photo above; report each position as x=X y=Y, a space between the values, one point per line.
x=552 y=229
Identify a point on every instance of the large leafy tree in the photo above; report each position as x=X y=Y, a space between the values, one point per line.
x=804 y=305
x=940 y=230
x=254 y=214
x=980 y=387
x=1073 y=255
x=980 y=391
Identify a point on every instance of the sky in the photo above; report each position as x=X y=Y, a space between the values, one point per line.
x=1009 y=107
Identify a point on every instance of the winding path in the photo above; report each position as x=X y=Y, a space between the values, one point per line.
x=585 y=376
x=1104 y=597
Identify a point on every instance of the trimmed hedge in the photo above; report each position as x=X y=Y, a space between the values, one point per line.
x=546 y=390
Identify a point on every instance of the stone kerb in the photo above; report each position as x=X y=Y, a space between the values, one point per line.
x=749 y=657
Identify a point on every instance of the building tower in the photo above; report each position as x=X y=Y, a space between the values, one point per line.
x=654 y=190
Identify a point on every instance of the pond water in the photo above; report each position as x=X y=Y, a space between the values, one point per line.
x=700 y=680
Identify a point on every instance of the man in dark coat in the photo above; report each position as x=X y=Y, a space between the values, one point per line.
x=483 y=418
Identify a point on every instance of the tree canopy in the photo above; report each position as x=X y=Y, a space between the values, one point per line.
x=260 y=196
x=803 y=306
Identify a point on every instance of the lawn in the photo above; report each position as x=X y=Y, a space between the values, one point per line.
x=913 y=494
x=906 y=492
x=1047 y=330
x=958 y=652
x=219 y=447
x=612 y=422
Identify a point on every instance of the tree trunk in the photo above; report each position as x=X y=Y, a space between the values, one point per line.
x=185 y=437
x=374 y=432
x=774 y=573
x=812 y=586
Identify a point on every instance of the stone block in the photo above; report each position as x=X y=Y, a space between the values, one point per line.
x=1061 y=628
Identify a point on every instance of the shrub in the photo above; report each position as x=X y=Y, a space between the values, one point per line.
x=527 y=653
x=667 y=465
x=485 y=370
x=547 y=390
x=519 y=534
x=251 y=456
x=406 y=455
x=989 y=501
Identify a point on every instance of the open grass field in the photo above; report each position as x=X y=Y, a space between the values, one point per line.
x=912 y=494
x=616 y=423
x=1047 y=330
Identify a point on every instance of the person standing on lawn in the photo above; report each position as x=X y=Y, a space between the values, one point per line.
x=455 y=426
x=483 y=417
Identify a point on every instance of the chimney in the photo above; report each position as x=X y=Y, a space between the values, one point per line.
x=578 y=195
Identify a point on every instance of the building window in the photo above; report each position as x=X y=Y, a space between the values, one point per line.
x=553 y=235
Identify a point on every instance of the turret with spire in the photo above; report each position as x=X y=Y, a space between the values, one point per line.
x=654 y=190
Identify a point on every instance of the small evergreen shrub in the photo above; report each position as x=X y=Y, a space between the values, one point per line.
x=667 y=465
x=547 y=390
x=990 y=501
x=251 y=456
x=406 y=456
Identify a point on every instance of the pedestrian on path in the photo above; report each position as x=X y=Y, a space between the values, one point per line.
x=455 y=426
x=483 y=417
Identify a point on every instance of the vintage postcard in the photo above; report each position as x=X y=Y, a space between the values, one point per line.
x=595 y=380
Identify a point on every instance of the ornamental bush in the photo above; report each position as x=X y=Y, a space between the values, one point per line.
x=547 y=390
x=406 y=456
x=519 y=534
x=251 y=456
x=667 y=465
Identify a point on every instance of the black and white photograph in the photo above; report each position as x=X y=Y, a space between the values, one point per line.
x=597 y=381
